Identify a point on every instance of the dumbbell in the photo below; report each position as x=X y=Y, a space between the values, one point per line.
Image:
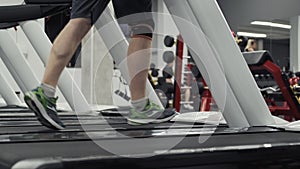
x=294 y=81
x=169 y=41
x=168 y=56
x=154 y=70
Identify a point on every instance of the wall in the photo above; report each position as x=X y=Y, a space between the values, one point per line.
x=242 y=12
x=280 y=50
x=97 y=70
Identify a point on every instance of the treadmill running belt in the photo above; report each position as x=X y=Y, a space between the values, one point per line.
x=83 y=144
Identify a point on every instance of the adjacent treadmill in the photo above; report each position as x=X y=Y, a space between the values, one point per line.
x=105 y=140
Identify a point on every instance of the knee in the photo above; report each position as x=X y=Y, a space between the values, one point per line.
x=60 y=52
x=144 y=29
x=68 y=40
x=83 y=23
x=62 y=49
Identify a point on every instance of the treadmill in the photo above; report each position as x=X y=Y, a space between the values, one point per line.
x=106 y=141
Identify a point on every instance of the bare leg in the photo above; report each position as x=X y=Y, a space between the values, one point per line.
x=64 y=47
x=139 y=55
x=40 y=100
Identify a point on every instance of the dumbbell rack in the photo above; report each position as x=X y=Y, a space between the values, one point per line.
x=183 y=73
x=187 y=77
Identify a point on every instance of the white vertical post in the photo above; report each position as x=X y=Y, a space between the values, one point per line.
x=241 y=90
x=260 y=44
x=295 y=44
x=117 y=44
x=67 y=85
x=97 y=70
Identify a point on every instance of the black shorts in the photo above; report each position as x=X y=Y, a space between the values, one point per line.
x=93 y=9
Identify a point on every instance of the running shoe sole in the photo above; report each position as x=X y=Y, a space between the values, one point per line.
x=36 y=106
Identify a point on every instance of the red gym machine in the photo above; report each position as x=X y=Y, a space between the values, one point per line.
x=259 y=61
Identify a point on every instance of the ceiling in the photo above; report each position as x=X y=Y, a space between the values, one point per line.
x=271 y=32
x=240 y=13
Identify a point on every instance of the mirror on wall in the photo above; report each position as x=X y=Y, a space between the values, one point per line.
x=272 y=35
x=268 y=14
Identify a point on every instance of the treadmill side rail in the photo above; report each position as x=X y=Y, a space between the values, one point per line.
x=237 y=73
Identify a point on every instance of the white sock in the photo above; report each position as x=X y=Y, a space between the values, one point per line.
x=140 y=104
x=49 y=90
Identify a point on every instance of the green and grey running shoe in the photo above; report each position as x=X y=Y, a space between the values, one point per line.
x=152 y=113
x=44 y=108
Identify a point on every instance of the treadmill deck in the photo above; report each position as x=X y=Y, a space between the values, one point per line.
x=107 y=141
